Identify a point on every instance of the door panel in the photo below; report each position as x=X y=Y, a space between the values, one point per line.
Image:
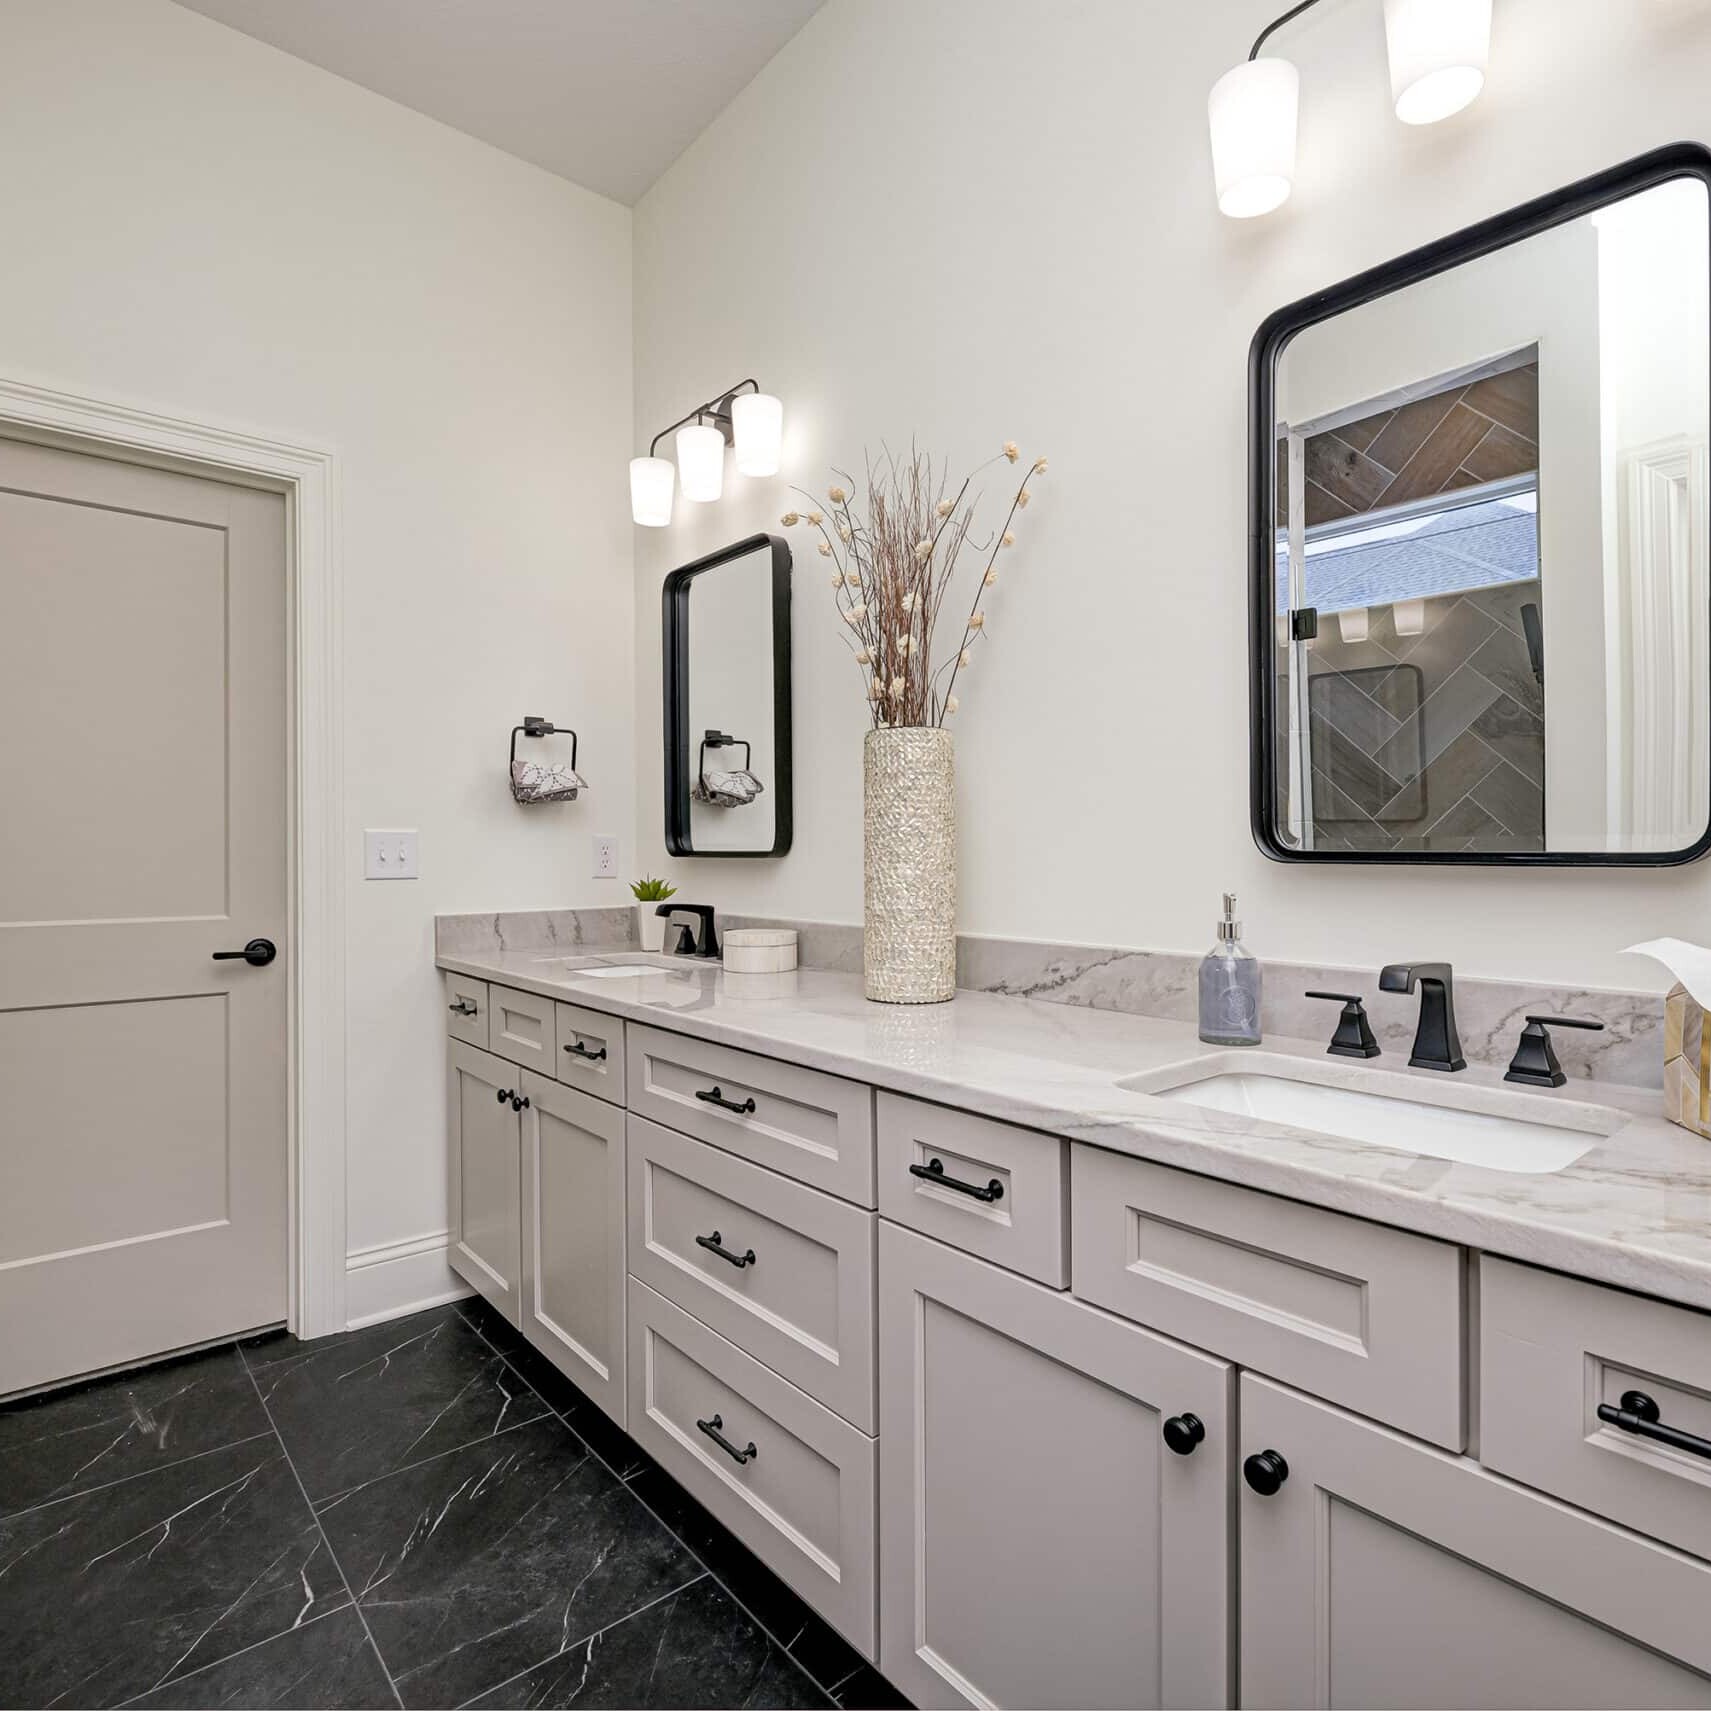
x=573 y=1236
x=484 y=1186
x=1040 y=1544
x=144 y=771
x=1385 y=1573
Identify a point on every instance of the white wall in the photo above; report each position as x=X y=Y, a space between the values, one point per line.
x=196 y=223
x=986 y=219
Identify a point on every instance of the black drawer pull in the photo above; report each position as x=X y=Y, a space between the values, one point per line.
x=463 y=1007
x=934 y=1171
x=716 y=1096
x=714 y=1245
x=1184 y=1432
x=711 y=1428
x=1639 y=1415
x=577 y=1049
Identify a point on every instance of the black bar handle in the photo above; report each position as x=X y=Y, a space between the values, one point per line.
x=716 y=1096
x=577 y=1049
x=258 y=953
x=934 y=1171
x=462 y=1007
x=714 y=1244
x=711 y=1428
x=1639 y=1415
x=1337 y=997
x=1568 y=1022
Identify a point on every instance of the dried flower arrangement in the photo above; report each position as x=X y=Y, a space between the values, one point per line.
x=893 y=571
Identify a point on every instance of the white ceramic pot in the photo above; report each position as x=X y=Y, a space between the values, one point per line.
x=652 y=925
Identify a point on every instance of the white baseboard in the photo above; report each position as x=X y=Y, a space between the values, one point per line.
x=395 y=1278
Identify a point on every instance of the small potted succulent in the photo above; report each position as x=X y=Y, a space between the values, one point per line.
x=649 y=894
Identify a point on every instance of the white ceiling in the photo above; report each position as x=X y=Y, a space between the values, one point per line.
x=606 y=93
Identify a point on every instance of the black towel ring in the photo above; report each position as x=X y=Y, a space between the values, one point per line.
x=535 y=727
x=714 y=740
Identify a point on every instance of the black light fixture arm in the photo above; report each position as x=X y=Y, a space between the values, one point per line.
x=1277 y=24
x=719 y=408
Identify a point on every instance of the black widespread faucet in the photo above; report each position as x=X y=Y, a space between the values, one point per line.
x=706 y=940
x=1437 y=1045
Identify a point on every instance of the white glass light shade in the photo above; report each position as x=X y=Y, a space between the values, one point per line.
x=1252 y=111
x=1353 y=625
x=651 y=480
x=1409 y=617
x=701 y=461
x=1438 y=52
x=757 y=419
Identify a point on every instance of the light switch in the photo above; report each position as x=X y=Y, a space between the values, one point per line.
x=389 y=855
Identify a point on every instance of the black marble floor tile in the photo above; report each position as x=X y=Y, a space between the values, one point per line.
x=109 y=1594
x=91 y=1434
x=586 y=1417
x=330 y=1662
x=355 y=1407
x=477 y=1565
x=868 y=1690
x=695 y=1648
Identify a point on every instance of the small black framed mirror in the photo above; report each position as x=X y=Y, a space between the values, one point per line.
x=726 y=626
x=1480 y=541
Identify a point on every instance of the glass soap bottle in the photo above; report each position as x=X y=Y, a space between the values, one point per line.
x=1229 y=986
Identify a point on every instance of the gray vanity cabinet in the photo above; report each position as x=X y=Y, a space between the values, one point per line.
x=1385 y=1573
x=572 y=1297
x=1040 y=1545
x=483 y=1149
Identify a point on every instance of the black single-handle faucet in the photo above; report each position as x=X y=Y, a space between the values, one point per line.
x=1437 y=1045
x=706 y=937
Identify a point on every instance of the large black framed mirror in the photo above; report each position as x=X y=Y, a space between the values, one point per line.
x=1480 y=545
x=726 y=625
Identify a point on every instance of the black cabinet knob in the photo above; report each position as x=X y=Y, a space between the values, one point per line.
x=1265 y=1472
x=504 y=1094
x=1182 y=1432
x=519 y=1101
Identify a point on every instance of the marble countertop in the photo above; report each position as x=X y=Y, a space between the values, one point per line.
x=1634 y=1211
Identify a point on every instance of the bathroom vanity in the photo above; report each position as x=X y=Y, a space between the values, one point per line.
x=1052 y=1374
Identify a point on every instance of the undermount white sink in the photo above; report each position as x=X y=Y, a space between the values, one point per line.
x=1520 y=1132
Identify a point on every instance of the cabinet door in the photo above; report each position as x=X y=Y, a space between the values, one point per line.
x=1384 y=1573
x=573 y=1236
x=483 y=1155
x=1040 y=1544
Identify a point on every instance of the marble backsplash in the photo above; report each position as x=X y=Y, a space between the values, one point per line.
x=1489 y=1013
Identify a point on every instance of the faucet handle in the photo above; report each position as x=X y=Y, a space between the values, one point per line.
x=1535 y=1061
x=1353 y=1037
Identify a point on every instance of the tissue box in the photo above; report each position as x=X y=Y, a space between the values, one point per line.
x=1686 y=1062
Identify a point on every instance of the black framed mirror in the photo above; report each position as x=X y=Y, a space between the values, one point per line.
x=726 y=625
x=1480 y=604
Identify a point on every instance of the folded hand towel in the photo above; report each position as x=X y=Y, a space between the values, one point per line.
x=533 y=781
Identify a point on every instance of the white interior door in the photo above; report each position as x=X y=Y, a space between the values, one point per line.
x=143 y=830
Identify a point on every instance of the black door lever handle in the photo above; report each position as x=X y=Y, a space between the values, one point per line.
x=258 y=953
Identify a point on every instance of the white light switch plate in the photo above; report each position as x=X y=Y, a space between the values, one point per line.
x=605 y=856
x=389 y=855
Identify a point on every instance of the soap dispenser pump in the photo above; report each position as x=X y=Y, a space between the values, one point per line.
x=1229 y=986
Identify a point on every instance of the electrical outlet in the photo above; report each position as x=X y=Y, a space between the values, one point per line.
x=389 y=855
x=605 y=856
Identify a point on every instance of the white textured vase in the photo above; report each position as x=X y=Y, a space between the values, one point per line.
x=909 y=869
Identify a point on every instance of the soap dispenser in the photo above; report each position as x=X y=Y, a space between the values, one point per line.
x=1229 y=986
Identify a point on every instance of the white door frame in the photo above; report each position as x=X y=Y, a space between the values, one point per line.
x=316 y=1011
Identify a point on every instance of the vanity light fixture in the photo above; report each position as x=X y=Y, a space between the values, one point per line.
x=1437 y=50
x=1409 y=617
x=1354 y=625
x=744 y=415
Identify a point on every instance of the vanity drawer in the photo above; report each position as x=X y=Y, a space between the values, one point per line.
x=803 y=1303
x=1552 y=1349
x=815 y=1127
x=590 y=1052
x=466 y=1010
x=1354 y=1312
x=1015 y=1217
x=520 y=1027
x=804 y=1502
